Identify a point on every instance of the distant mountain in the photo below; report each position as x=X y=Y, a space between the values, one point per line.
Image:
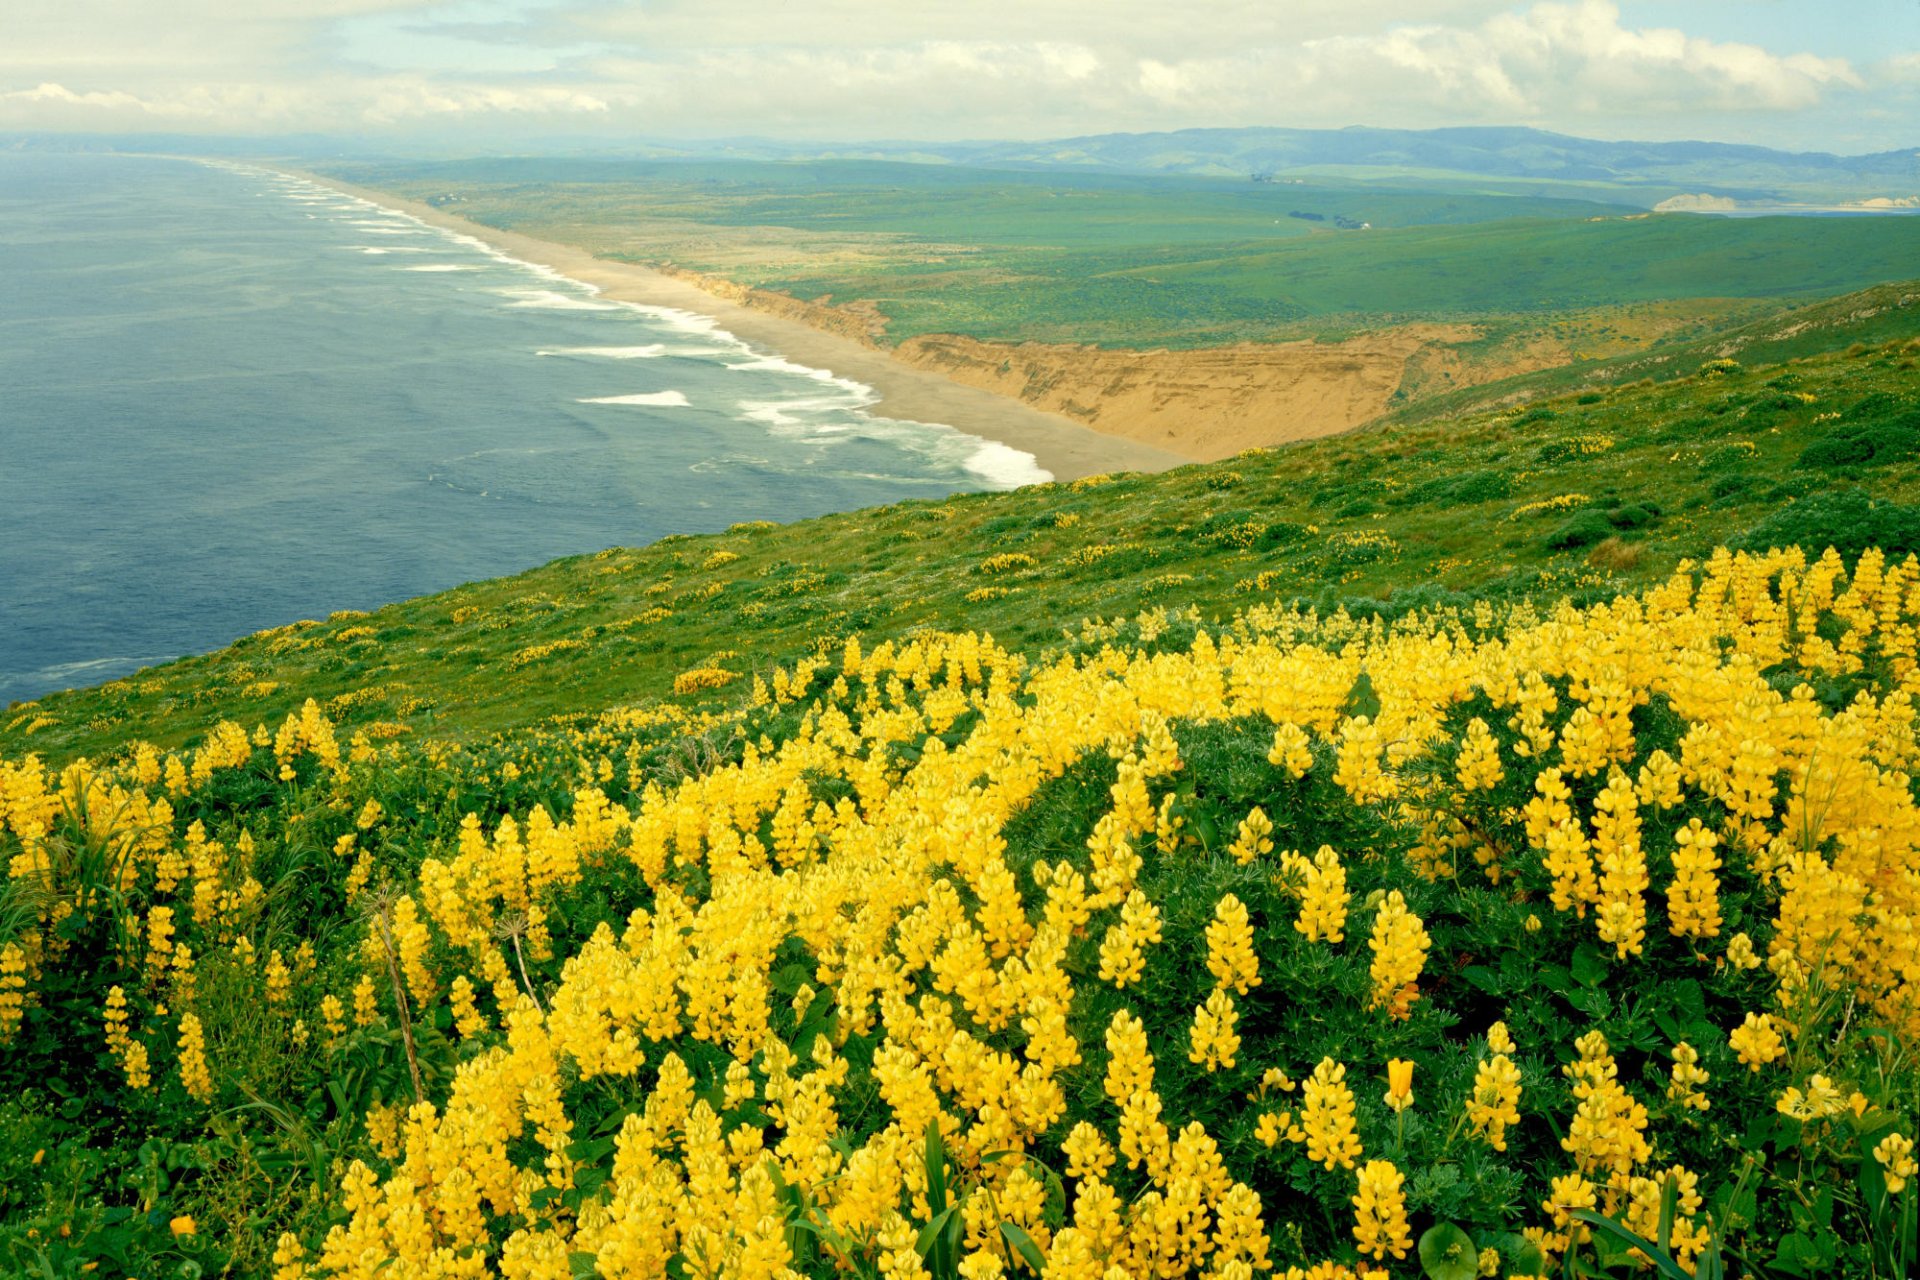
x=1645 y=172
x=1515 y=160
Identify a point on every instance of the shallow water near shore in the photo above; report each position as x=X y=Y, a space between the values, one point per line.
x=230 y=399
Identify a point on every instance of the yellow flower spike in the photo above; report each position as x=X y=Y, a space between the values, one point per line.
x=1495 y=1101
x=1230 y=956
x=1326 y=1118
x=1895 y=1156
x=182 y=1225
x=1214 y=1042
x=1380 y=1211
x=1399 y=945
x=1757 y=1041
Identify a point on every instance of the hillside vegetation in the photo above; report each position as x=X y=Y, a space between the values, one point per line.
x=1420 y=852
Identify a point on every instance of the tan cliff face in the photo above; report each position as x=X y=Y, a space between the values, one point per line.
x=1204 y=404
x=1214 y=402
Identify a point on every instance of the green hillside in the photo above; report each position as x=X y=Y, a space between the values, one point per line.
x=1581 y=495
x=1418 y=853
x=1885 y=313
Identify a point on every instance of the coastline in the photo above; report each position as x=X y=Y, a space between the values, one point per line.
x=1066 y=449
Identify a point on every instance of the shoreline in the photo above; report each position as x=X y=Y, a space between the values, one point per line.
x=1065 y=449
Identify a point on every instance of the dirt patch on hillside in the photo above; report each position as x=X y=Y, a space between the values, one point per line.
x=1214 y=402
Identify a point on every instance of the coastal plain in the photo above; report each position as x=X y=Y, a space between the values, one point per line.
x=1193 y=315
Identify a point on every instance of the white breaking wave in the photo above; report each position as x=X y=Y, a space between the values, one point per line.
x=553 y=300
x=1004 y=466
x=658 y=399
x=648 y=352
x=786 y=412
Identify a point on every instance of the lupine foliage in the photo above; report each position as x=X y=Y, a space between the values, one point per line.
x=1304 y=945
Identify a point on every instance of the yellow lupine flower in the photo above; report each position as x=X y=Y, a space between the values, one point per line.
x=1399 y=945
x=1214 y=1041
x=1254 y=837
x=1757 y=1041
x=1323 y=894
x=1693 y=898
x=1687 y=1077
x=193 y=1059
x=1495 y=1102
x=1895 y=1154
x=1326 y=1117
x=1230 y=957
x=1291 y=750
x=1478 y=767
x=1380 y=1211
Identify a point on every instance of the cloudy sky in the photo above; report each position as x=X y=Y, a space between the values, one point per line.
x=1838 y=76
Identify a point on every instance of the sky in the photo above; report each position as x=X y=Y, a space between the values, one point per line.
x=1841 y=76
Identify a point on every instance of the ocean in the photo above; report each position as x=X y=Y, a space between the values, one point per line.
x=230 y=399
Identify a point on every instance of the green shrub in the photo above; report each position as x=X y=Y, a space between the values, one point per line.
x=1729 y=488
x=1633 y=515
x=1465 y=490
x=1848 y=521
x=1871 y=445
x=1583 y=530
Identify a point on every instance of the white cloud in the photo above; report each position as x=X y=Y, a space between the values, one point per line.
x=863 y=68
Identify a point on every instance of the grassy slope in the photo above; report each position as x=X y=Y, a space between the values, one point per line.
x=1880 y=314
x=1162 y=261
x=1668 y=470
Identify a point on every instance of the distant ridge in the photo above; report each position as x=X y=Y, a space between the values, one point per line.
x=1512 y=158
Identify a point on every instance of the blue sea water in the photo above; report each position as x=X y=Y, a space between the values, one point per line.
x=230 y=399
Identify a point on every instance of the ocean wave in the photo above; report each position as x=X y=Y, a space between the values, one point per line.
x=553 y=300
x=787 y=411
x=445 y=266
x=658 y=399
x=1004 y=466
x=94 y=670
x=647 y=352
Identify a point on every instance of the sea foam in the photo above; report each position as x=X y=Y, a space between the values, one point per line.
x=553 y=300
x=657 y=399
x=648 y=352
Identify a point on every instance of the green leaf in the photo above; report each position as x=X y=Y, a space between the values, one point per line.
x=1524 y=1257
x=930 y=1234
x=1669 y=1202
x=1024 y=1246
x=1447 y=1253
x=936 y=1161
x=1589 y=965
x=1663 y=1261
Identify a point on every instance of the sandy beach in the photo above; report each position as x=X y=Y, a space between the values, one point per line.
x=1065 y=448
